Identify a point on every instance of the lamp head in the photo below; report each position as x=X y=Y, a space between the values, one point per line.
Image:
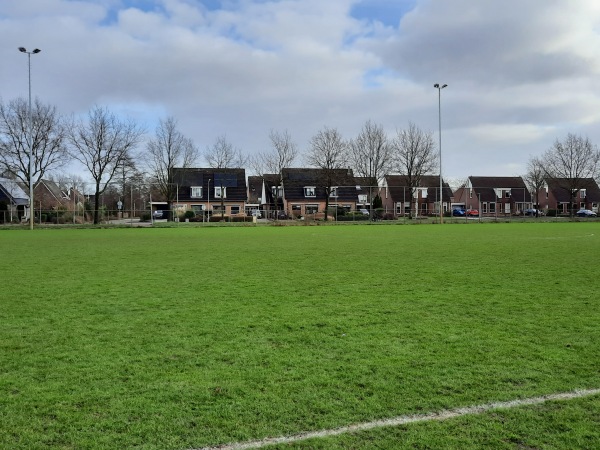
x=37 y=50
x=442 y=86
x=436 y=85
x=22 y=49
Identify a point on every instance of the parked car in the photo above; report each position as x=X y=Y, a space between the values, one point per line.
x=256 y=213
x=586 y=213
x=158 y=214
x=533 y=212
x=472 y=212
x=364 y=211
x=458 y=212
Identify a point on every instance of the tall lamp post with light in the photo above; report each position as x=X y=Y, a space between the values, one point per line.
x=34 y=51
x=439 y=88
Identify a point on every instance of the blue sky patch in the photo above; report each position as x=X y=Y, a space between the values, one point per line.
x=388 y=12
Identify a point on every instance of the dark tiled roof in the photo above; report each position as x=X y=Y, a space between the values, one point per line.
x=233 y=179
x=295 y=179
x=484 y=188
x=399 y=187
x=560 y=188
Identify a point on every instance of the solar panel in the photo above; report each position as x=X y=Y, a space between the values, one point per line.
x=226 y=179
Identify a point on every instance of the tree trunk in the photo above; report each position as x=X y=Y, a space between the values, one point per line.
x=97 y=203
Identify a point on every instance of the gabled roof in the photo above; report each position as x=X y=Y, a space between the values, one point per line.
x=485 y=187
x=560 y=189
x=53 y=189
x=209 y=178
x=11 y=190
x=398 y=187
x=255 y=184
x=296 y=179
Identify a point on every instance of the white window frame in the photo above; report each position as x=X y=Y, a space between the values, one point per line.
x=309 y=207
x=310 y=191
x=582 y=193
x=194 y=190
x=218 y=192
x=333 y=193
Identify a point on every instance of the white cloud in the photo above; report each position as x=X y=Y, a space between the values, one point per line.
x=519 y=74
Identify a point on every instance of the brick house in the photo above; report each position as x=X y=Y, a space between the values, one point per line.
x=558 y=194
x=305 y=192
x=211 y=191
x=265 y=194
x=494 y=196
x=397 y=199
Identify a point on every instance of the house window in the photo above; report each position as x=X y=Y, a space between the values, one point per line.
x=470 y=193
x=196 y=192
x=218 y=208
x=220 y=192
x=398 y=208
x=507 y=194
x=424 y=208
x=309 y=191
x=312 y=209
x=333 y=192
x=492 y=207
x=197 y=209
x=277 y=191
x=484 y=207
x=297 y=208
x=582 y=193
x=582 y=205
x=362 y=198
x=235 y=209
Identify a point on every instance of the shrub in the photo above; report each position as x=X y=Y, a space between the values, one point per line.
x=189 y=214
x=145 y=217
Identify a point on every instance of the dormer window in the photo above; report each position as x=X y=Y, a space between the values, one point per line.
x=333 y=191
x=582 y=193
x=309 y=191
x=277 y=191
x=220 y=192
x=507 y=193
x=196 y=192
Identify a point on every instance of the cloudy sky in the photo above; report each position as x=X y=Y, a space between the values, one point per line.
x=520 y=73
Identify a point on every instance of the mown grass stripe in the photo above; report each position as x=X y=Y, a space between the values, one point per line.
x=404 y=420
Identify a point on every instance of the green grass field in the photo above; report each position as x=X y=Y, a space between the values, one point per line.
x=183 y=338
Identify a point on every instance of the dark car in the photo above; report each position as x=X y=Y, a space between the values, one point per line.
x=458 y=212
x=586 y=213
x=533 y=212
x=472 y=212
x=158 y=214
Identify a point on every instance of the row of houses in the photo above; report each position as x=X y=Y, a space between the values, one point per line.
x=299 y=192
x=14 y=199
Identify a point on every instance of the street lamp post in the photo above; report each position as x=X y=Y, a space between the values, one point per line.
x=439 y=88
x=34 y=51
x=208 y=202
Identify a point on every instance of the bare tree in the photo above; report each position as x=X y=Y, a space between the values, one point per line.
x=223 y=155
x=370 y=155
x=47 y=139
x=535 y=179
x=328 y=152
x=571 y=163
x=370 y=152
x=169 y=149
x=101 y=144
x=414 y=155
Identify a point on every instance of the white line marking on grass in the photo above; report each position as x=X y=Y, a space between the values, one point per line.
x=403 y=420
